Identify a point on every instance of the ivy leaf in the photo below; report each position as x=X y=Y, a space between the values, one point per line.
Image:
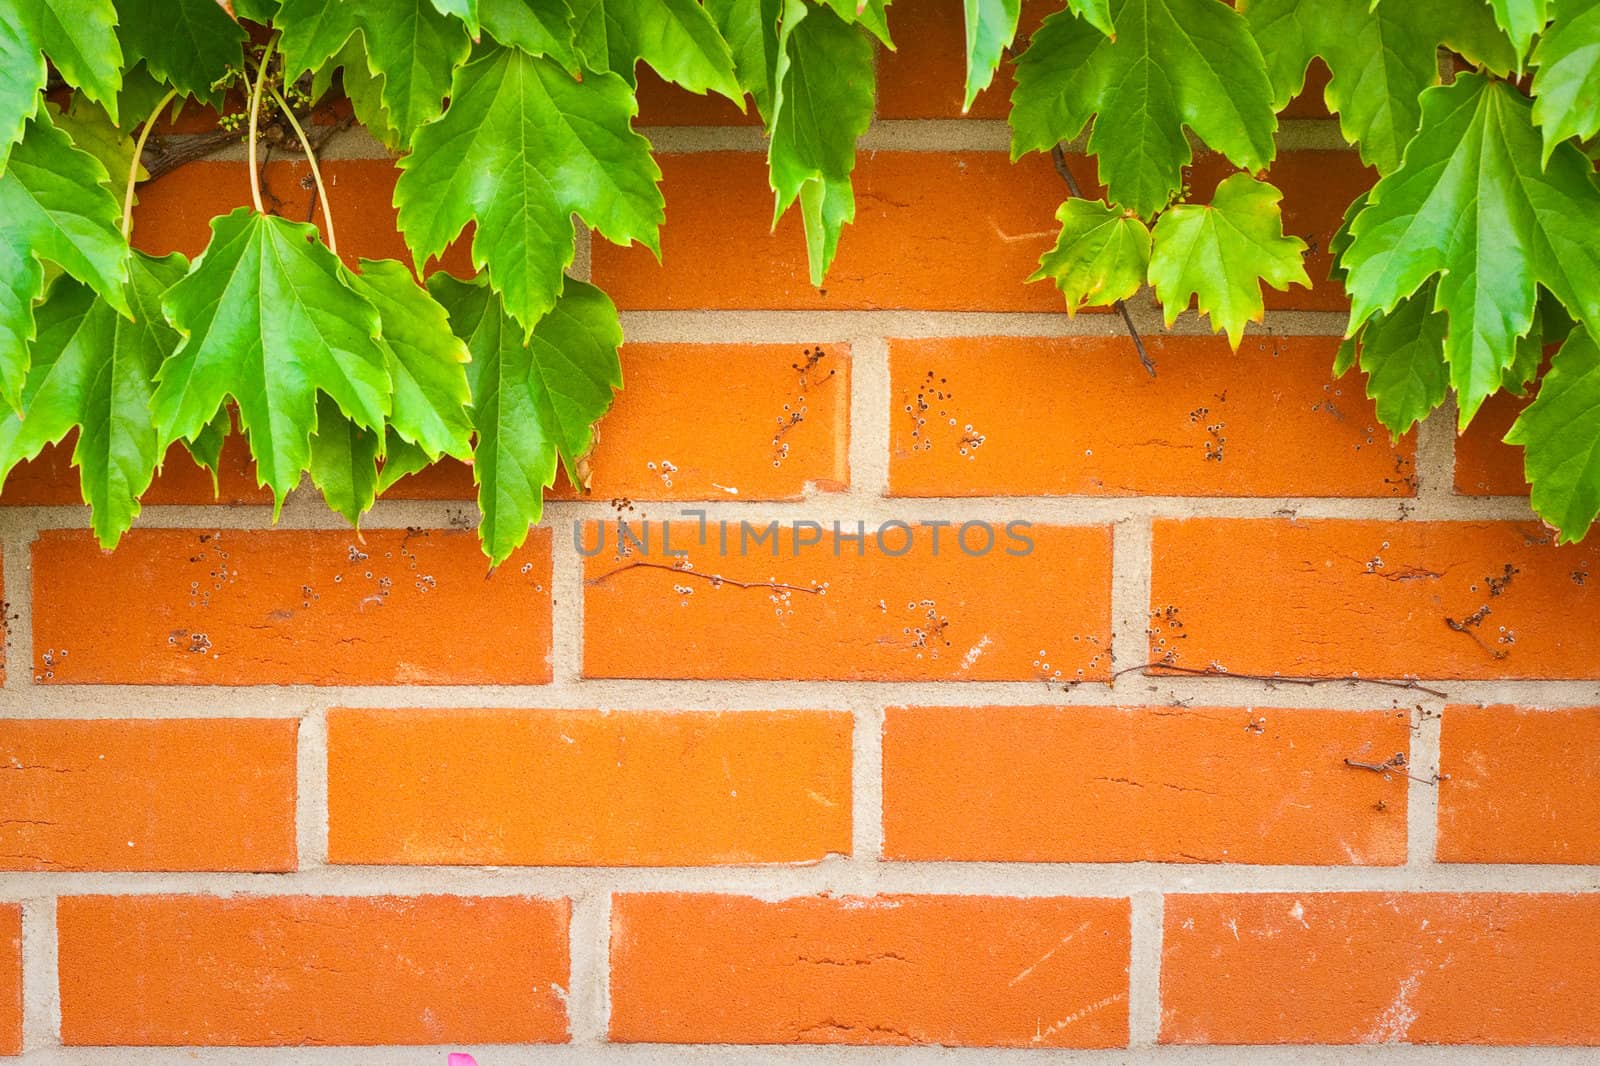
x=824 y=68
x=1471 y=205
x=991 y=26
x=1382 y=56
x=1402 y=354
x=532 y=402
x=1096 y=13
x=205 y=447
x=95 y=370
x=400 y=457
x=465 y=10
x=408 y=42
x=344 y=462
x=92 y=131
x=538 y=27
x=872 y=15
x=677 y=38
x=751 y=29
x=1220 y=253
x=427 y=363
x=362 y=88
x=268 y=319
x=1521 y=19
x=1174 y=64
x=1566 y=87
x=188 y=44
x=54 y=208
x=1100 y=256
x=1560 y=436
x=522 y=148
x=80 y=39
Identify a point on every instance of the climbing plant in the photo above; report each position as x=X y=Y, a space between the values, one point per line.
x=1477 y=250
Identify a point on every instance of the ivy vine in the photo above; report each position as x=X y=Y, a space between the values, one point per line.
x=1477 y=251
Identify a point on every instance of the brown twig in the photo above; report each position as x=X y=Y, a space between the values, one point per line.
x=714 y=579
x=1192 y=671
x=1396 y=765
x=1059 y=158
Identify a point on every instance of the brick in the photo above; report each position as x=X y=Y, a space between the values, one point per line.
x=1023 y=416
x=933 y=231
x=315 y=607
x=174 y=213
x=10 y=979
x=50 y=480
x=1330 y=598
x=1152 y=784
x=1370 y=968
x=1519 y=785
x=311 y=970
x=664 y=104
x=1485 y=464
x=955 y=970
x=925 y=76
x=898 y=611
x=554 y=788
x=174 y=794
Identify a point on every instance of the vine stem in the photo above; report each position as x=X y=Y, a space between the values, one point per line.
x=255 y=114
x=316 y=171
x=133 y=168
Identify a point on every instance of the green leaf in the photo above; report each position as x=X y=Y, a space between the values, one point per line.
x=538 y=27
x=92 y=131
x=522 y=148
x=408 y=42
x=205 y=447
x=54 y=207
x=344 y=462
x=427 y=363
x=465 y=10
x=677 y=38
x=1174 y=64
x=1346 y=357
x=400 y=457
x=1471 y=205
x=1566 y=87
x=1561 y=439
x=872 y=15
x=1382 y=55
x=362 y=88
x=188 y=44
x=79 y=38
x=269 y=319
x=824 y=75
x=1096 y=13
x=95 y=369
x=1219 y=255
x=1100 y=256
x=991 y=26
x=1402 y=354
x=751 y=29
x=1521 y=19
x=533 y=402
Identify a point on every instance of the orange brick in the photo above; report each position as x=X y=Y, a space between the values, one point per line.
x=1520 y=785
x=10 y=979
x=237 y=607
x=962 y=970
x=1328 y=598
x=175 y=794
x=553 y=788
x=933 y=231
x=664 y=104
x=175 y=212
x=309 y=970
x=1155 y=784
x=1265 y=421
x=926 y=75
x=1485 y=464
x=1369 y=968
x=900 y=611
x=51 y=481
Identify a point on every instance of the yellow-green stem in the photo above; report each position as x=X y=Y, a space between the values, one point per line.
x=133 y=168
x=255 y=114
x=316 y=171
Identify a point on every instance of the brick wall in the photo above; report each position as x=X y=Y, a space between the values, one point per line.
x=300 y=786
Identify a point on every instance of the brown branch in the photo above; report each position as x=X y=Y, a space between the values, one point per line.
x=1191 y=671
x=1396 y=765
x=1059 y=158
x=714 y=579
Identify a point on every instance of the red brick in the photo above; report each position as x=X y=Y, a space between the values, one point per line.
x=10 y=979
x=956 y=970
x=814 y=614
x=51 y=481
x=1330 y=598
x=238 y=607
x=926 y=75
x=1153 y=784
x=1003 y=416
x=1520 y=785
x=1370 y=968
x=552 y=788
x=312 y=970
x=174 y=794
x=1485 y=464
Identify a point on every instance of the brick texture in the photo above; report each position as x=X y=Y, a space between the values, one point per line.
x=10 y=979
